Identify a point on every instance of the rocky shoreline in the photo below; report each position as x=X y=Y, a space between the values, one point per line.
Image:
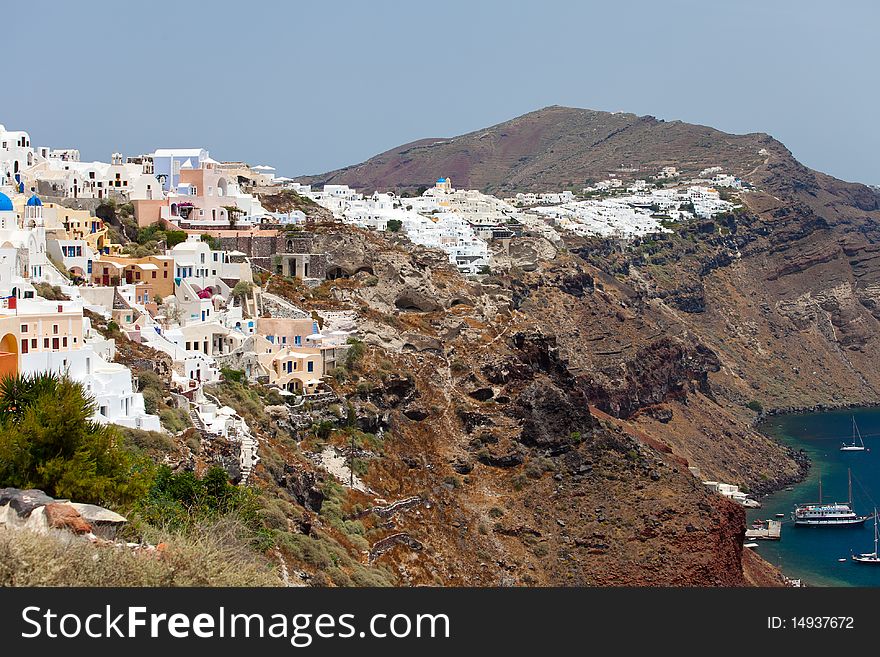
x=799 y=456
x=803 y=461
x=816 y=408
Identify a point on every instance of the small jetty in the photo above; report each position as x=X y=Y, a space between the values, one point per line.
x=770 y=531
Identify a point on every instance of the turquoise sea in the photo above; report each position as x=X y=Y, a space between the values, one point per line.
x=812 y=553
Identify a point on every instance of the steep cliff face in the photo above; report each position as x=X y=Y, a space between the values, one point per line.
x=483 y=393
x=549 y=420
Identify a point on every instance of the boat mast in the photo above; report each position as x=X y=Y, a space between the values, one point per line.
x=875 y=531
x=820 y=487
x=849 y=478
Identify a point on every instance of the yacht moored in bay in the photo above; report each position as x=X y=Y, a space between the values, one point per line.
x=827 y=514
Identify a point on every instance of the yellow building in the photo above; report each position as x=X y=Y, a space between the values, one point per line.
x=79 y=225
x=297 y=370
x=154 y=271
x=34 y=334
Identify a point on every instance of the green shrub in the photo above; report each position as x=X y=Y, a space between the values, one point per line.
x=354 y=353
x=49 y=441
x=232 y=375
x=147 y=440
x=174 y=419
x=212 y=242
x=181 y=499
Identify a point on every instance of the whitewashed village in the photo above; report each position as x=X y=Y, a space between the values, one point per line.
x=193 y=294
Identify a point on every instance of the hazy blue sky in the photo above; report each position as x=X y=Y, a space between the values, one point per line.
x=311 y=86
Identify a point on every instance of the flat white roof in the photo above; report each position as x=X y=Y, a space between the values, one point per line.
x=178 y=152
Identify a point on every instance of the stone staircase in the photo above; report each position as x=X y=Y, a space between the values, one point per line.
x=196 y=420
x=248 y=456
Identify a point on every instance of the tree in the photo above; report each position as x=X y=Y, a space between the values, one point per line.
x=354 y=353
x=232 y=212
x=49 y=441
x=394 y=225
x=174 y=237
x=242 y=289
x=212 y=242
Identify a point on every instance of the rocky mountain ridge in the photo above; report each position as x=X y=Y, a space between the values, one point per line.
x=666 y=341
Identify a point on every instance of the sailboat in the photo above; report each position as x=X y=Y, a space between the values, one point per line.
x=853 y=446
x=819 y=514
x=870 y=557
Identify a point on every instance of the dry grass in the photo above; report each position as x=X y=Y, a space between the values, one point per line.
x=218 y=555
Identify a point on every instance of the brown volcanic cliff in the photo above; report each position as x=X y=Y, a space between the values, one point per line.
x=547 y=416
x=486 y=419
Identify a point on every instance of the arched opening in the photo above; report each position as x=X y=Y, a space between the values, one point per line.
x=9 y=344
x=222 y=187
x=336 y=272
x=8 y=355
x=174 y=209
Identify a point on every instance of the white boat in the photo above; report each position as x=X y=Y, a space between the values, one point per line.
x=870 y=557
x=825 y=514
x=857 y=436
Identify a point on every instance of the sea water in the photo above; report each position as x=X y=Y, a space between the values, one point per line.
x=812 y=553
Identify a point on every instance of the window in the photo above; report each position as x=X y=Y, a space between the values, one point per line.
x=33 y=343
x=45 y=343
x=311 y=367
x=64 y=341
x=55 y=329
x=24 y=328
x=55 y=344
x=154 y=274
x=24 y=346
